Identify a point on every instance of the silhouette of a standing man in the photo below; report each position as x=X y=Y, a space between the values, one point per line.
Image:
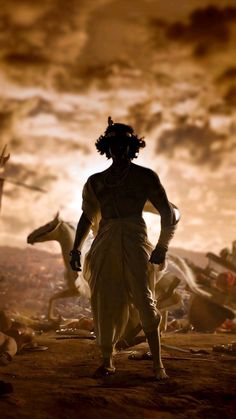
x=119 y=266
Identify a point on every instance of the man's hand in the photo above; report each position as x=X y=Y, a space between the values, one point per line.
x=75 y=260
x=158 y=255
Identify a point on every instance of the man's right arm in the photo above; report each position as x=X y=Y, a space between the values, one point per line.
x=90 y=208
x=82 y=231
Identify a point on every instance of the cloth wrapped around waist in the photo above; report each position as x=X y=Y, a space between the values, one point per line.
x=121 y=247
x=119 y=273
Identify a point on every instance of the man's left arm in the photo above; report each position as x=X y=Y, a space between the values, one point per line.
x=169 y=218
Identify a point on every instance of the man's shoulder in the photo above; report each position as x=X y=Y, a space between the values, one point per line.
x=96 y=177
x=145 y=171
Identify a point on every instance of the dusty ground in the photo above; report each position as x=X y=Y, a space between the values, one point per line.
x=58 y=383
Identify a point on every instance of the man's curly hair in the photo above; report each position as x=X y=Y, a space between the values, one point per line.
x=119 y=132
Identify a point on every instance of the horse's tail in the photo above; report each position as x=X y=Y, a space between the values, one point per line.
x=82 y=286
x=187 y=274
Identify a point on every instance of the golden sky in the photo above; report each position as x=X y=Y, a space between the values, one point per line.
x=165 y=67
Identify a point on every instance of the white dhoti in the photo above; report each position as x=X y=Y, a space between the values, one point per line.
x=119 y=274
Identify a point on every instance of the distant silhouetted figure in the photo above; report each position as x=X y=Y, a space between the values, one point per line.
x=119 y=266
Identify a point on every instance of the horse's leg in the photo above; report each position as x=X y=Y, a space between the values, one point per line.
x=164 y=320
x=130 y=338
x=71 y=292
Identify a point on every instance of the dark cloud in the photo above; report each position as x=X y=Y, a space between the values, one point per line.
x=37 y=105
x=13 y=112
x=5 y=117
x=60 y=48
x=158 y=28
x=207 y=29
x=68 y=81
x=227 y=81
x=44 y=146
x=147 y=76
x=11 y=108
x=103 y=71
x=23 y=174
x=230 y=96
x=228 y=75
x=79 y=77
x=19 y=171
x=220 y=108
x=25 y=59
x=198 y=141
x=40 y=105
x=31 y=46
x=142 y=118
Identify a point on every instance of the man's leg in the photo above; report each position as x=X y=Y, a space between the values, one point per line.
x=107 y=368
x=104 y=331
x=107 y=355
x=153 y=339
x=150 y=318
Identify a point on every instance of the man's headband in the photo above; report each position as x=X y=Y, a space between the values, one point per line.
x=117 y=128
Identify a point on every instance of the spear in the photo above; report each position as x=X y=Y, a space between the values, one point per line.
x=3 y=157
x=34 y=188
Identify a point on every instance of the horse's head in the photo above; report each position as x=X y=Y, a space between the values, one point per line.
x=45 y=232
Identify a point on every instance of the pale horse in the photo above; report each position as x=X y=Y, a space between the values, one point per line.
x=63 y=232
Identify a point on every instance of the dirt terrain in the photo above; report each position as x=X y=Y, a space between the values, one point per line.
x=29 y=277
x=58 y=383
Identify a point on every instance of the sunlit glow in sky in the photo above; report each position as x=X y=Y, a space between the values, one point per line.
x=167 y=68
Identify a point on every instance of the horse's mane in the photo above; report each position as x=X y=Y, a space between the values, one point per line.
x=71 y=224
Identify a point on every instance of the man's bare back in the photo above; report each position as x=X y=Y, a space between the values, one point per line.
x=127 y=198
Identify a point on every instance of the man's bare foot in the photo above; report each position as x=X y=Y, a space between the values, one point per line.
x=160 y=374
x=103 y=371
